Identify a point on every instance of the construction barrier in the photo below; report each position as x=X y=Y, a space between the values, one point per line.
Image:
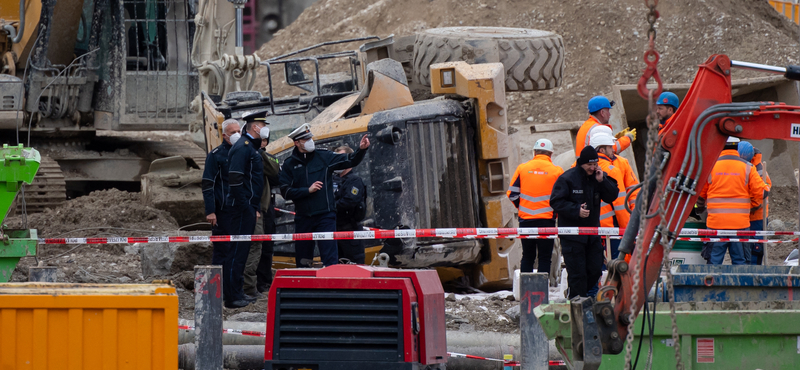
x=486 y=233
x=789 y=9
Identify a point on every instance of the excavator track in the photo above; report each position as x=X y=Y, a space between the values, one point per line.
x=48 y=190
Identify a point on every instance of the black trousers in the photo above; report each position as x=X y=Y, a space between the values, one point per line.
x=240 y=221
x=218 y=252
x=304 y=249
x=583 y=256
x=264 y=269
x=532 y=247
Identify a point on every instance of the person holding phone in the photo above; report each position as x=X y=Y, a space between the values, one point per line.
x=576 y=198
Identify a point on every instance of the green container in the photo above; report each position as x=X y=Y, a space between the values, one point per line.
x=18 y=165
x=682 y=245
x=713 y=335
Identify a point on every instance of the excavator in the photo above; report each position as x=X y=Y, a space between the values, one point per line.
x=683 y=157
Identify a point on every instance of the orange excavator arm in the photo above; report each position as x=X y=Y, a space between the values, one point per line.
x=689 y=146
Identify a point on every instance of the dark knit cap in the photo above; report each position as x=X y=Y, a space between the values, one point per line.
x=588 y=155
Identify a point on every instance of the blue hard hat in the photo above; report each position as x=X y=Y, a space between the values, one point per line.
x=599 y=102
x=668 y=98
x=746 y=151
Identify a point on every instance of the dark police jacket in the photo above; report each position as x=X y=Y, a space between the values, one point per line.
x=215 y=178
x=574 y=188
x=245 y=174
x=301 y=170
x=351 y=201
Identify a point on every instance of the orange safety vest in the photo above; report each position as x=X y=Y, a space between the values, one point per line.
x=531 y=187
x=626 y=180
x=616 y=209
x=761 y=212
x=585 y=133
x=733 y=189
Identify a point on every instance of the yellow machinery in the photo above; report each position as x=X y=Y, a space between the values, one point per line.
x=437 y=163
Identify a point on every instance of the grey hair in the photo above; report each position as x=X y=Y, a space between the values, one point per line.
x=228 y=122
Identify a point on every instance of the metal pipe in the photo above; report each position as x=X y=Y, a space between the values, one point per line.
x=233 y=357
x=252 y=356
x=758 y=67
x=239 y=26
x=18 y=37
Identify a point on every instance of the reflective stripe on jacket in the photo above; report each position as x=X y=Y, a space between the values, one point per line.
x=585 y=132
x=608 y=212
x=531 y=187
x=733 y=188
x=761 y=212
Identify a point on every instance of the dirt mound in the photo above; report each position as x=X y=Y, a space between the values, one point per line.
x=604 y=39
x=99 y=212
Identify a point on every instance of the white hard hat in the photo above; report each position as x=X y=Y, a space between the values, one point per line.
x=732 y=139
x=600 y=139
x=543 y=144
x=601 y=129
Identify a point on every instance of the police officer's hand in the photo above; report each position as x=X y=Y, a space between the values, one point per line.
x=315 y=186
x=584 y=212
x=364 y=143
x=212 y=218
x=598 y=175
x=258 y=215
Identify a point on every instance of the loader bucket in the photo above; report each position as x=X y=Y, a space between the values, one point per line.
x=17 y=165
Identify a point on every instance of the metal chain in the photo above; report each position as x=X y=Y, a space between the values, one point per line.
x=651 y=56
x=652 y=142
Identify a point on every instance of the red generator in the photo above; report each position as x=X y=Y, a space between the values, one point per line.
x=351 y=317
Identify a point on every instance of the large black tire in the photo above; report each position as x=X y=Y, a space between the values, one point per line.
x=533 y=59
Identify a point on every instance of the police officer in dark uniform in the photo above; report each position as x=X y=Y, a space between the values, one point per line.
x=351 y=207
x=246 y=181
x=307 y=179
x=215 y=184
x=576 y=200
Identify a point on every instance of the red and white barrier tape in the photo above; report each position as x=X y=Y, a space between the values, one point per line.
x=738 y=240
x=232 y=331
x=521 y=233
x=505 y=362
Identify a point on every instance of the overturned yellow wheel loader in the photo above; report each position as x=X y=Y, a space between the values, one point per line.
x=441 y=162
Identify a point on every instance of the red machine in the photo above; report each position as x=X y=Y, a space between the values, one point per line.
x=690 y=144
x=352 y=317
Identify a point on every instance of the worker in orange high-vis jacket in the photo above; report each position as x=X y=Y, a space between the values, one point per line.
x=600 y=113
x=732 y=189
x=618 y=168
x=530 y=192
x=758 y=215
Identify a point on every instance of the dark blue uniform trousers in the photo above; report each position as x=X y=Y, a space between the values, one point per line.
x=240 y=221
x=304 y=249
x=218 y=252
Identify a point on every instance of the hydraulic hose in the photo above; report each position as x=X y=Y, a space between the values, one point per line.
x=18 y=37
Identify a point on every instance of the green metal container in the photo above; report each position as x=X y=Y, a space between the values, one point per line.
x=687 y=246
x=18 y=165
x=713 y=335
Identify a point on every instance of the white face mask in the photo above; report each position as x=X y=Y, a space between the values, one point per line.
x=338 y=172
x=235 y=137
x=264 y=132
x=309 y=145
